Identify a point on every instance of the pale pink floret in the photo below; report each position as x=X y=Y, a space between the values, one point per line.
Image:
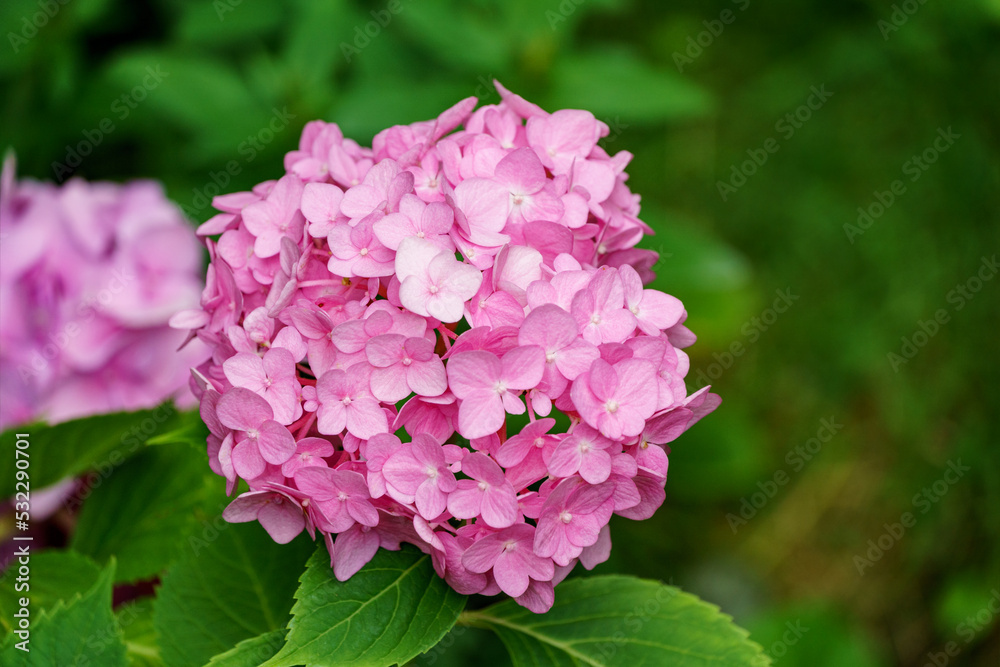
x=403 y=366
x=567 y=355
x=418 y=474
x=432 y=282
x=341 y=496
x=261 y=439
x=584 y=451
x=510 y=555
x=616 y=400
x=487 y=386
x=356 y=252
x=308 y=452
x=572 y=518
x=599 y=310
x=276 y=217
x=272 y=377
x=383 y=187
x=487 y=494
x=321 y=207
x=345 y=401
x=432 y=222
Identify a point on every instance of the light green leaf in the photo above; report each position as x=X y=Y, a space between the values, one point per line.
x=143 y=513
x=618 y=620
x=233 y=588
x=393 y=609
x=100 y=443
x=135 y=618
x=616 y=83
x=80 y=632
x=55 y=575
x=250 y=652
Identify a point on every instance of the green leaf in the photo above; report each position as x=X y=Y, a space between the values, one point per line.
x=100 y=443
x=135 y=618
x=615 y=83
x=618 y=620
x=144 y=512
x=250 y=652
x=190 y=430
x=393 y=609
x=233 y=588
x=55 y=575
x=80 y=632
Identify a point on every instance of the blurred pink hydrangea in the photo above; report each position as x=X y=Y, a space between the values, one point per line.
x=90 y=273
x=444 y=340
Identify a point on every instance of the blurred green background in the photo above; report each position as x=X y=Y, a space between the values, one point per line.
x=753 y=194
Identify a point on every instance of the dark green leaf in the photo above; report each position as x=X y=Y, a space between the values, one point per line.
x=80 y=632
x=236 y=586
x=144 y=512
x=393 y=609
x=100 y=443
x=618 y=620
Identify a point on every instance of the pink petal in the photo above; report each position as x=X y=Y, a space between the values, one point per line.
x=465 y=501
x=473 y=371
x=523 y=367
x=499 y=506
x=365 y=418
x=242 y=409
x=276 y=444
x=352 y=551
x=480 y=414
x=282 y=519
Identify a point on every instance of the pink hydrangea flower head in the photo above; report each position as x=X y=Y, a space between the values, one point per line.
x=448 y=339
x=90 y=274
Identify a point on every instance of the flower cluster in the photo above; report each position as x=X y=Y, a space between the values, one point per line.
x=90 y=273
x=444 y=340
